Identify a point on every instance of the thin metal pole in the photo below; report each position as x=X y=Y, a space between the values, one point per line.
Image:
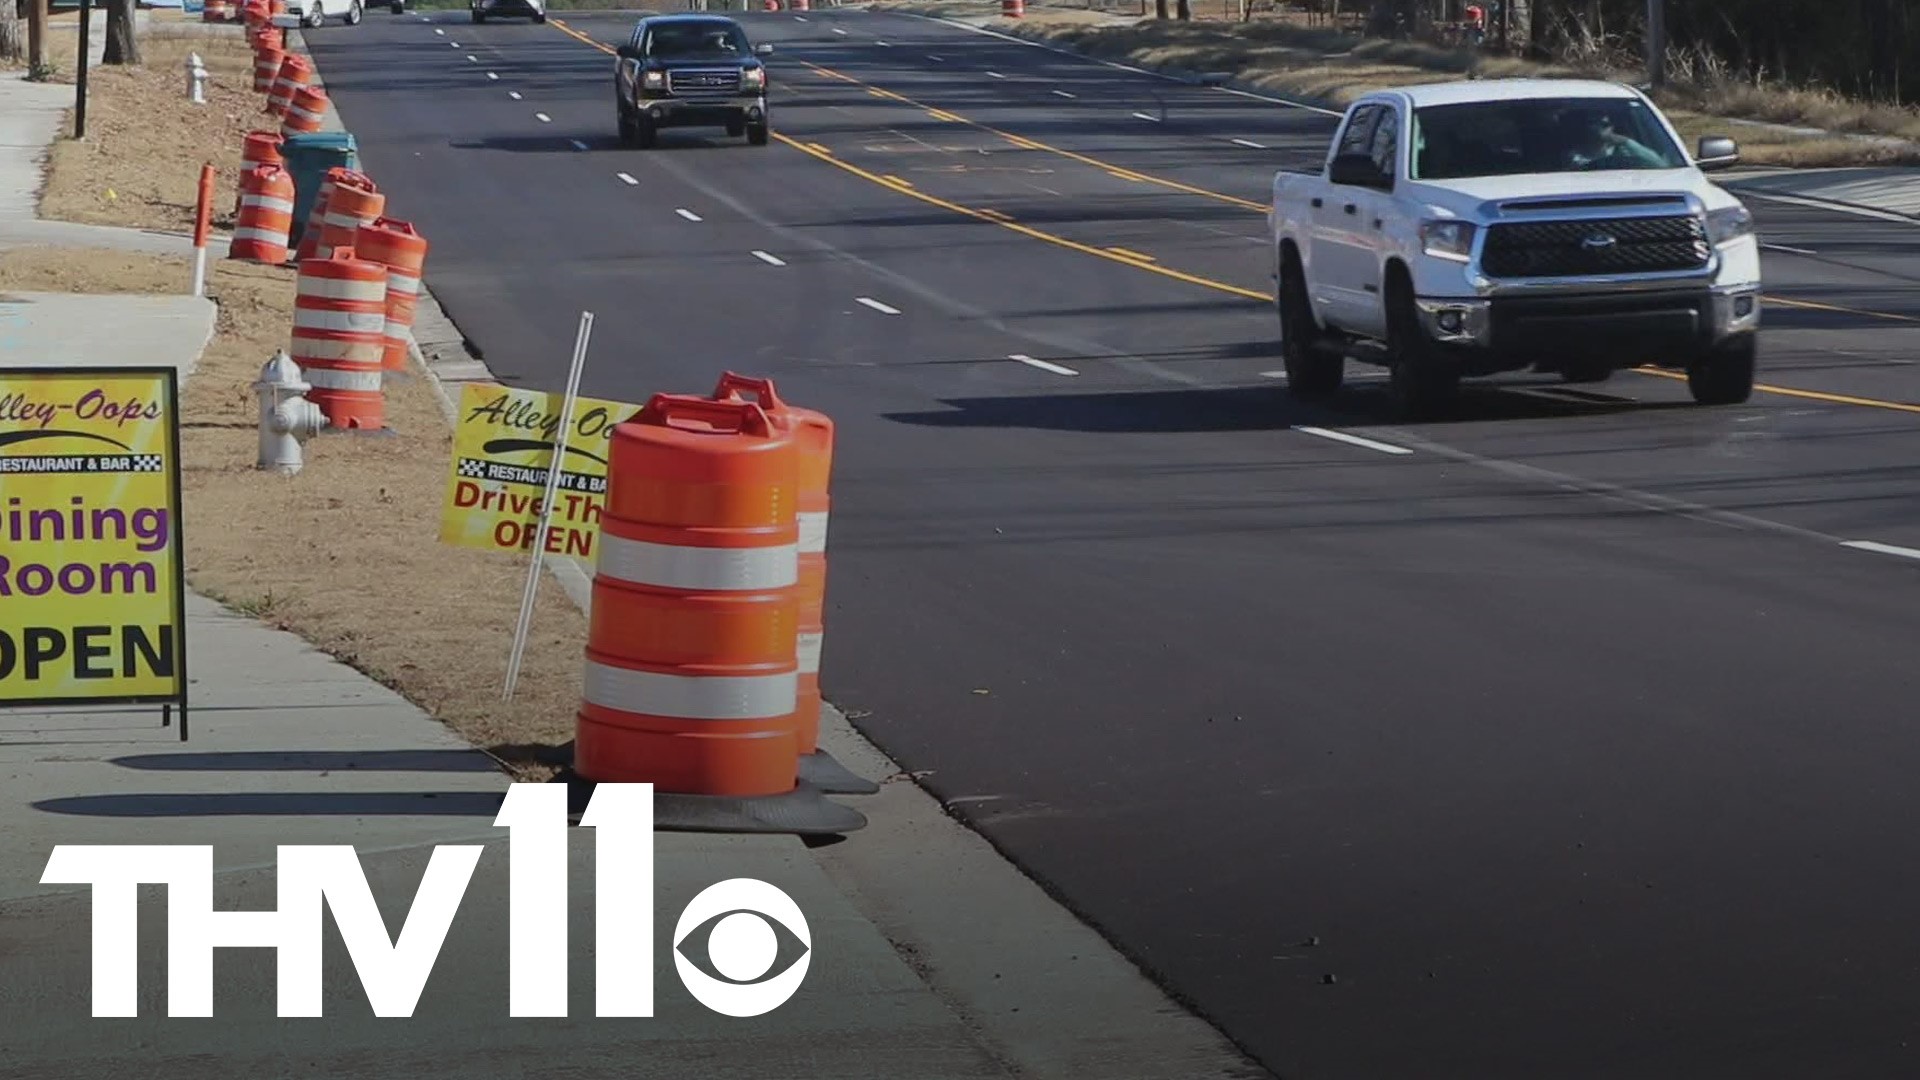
x=522 y=627
x=80 y=71
x=1657 y=43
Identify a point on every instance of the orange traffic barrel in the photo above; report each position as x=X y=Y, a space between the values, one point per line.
x=254 y=13
x=266 y=216
x=276 y=8
x=348 y=208
x=215 y=11
x=336 y=178
x=1013 y=9
x=813 y=447
x=266 y=68
x=399 y=247
x=295 y=73
x=258 y=148
x=304 y=116
x=269 y=39
x=339 y=319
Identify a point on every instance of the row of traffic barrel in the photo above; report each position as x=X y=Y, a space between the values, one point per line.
x=358 y=269
x=706 y=625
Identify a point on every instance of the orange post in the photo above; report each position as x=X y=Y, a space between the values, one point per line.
x=202 y=224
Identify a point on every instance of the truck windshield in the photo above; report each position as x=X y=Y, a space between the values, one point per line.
x=1553 y=135
x=714 y=39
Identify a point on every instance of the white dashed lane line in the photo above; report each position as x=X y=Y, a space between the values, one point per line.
x=839 y=31
x=1043 y=365
x=936 y=59
x=472 y=59
x=800 y=18
x=626 y=179
x=1353 y=440
x=995 y=75
x=439 y=31
x=1149 y=117
x=877 y=305
x=578 y=145
x=543 y=118
x=884 y=44
x=514 y=94
x=1062 y=93
x=1249 y=144
x=491 y=75
x=1881 y=549
x=770 y=260
x=686 y=213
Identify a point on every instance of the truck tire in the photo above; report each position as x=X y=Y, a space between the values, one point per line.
x=1724 y=376
x=1422 y=381
x=757 y=134
x=1311 y=371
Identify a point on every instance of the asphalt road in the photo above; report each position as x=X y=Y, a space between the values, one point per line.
x=1564 y=738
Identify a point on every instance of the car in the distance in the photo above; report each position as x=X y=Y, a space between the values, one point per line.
x=482 y=10
x=315 y=13
x=690 y=70
x=1553 y=225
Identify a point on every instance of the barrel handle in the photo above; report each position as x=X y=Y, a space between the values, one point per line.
x=732 y=383
x=743 y=417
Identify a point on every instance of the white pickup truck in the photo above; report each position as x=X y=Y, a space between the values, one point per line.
x=1551 y=225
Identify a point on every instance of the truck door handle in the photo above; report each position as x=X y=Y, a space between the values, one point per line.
x=1352 y=209
x=1318 y=203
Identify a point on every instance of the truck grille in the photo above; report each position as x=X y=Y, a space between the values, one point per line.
x=1638 y=245
x=717 y=81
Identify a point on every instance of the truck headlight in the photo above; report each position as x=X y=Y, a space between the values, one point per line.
x=1729 y=224
x=654 y=80
x=753 y=79
x=1447 y=239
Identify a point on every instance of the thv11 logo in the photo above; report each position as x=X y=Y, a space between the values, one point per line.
x=743 y=919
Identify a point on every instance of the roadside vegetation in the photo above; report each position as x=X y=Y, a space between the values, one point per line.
x=1317 y=59
x=346 y=553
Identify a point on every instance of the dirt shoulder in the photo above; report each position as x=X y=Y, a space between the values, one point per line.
x=1326 y=68
x=346 y=553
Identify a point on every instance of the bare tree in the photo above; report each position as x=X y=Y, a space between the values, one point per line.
x=1159 y=9
x=123 y=46
x=13 y=32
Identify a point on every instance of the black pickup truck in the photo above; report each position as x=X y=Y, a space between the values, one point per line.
x=690 y=70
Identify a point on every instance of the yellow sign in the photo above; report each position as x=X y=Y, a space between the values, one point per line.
x=92 y=582
x=502 y=448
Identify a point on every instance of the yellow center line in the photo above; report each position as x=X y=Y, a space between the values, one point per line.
x=996 y=217
x=1136 y=256
x=1034 y=144
x=892 y=179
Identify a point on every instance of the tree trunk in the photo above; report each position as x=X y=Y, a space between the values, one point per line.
x=1185 y=9
x=1159 y=9
x=13 y=32
x=122 y=46
x=36 y=37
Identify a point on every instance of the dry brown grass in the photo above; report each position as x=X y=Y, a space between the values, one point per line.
x=139 y=165
x=346 y=553
x=1325 y=67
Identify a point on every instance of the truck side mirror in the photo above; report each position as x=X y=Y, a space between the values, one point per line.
x=763 y=50
x=1358 y=170
x=1717 y=152
x=627 y=52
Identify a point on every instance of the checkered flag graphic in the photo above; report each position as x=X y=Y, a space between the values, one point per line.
x=473 y=470
x=148 y=463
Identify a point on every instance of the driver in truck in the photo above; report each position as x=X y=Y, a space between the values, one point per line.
x=1592 y=143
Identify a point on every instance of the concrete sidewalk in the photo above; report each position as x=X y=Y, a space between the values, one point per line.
x=1893 y=190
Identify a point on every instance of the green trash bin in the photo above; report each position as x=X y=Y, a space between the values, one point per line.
x=308 y=158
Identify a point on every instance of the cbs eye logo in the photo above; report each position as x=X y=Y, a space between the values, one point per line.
x=742 y=947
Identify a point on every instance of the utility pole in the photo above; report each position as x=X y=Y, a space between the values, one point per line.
x=80 y=72
x=1657 y=43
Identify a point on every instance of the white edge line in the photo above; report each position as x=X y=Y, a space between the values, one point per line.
x=770 y=260
x=1353 y=440
x=1818 y=204
x=686 y=213
x=1249 y=144
x=1788 y=250
x=1161 y=75
x=877 y=305
x=625 y=179
x=1042 y=364
x=1883 y=549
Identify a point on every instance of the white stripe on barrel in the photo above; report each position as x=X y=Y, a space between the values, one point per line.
x=267 y=202
x=401 y=283
x=342 y=322
x=690 y=697
x=326 y=288
x=338 y=379
x=671 y=566
x=354 y=350
x=813 y=532
x=810 y=652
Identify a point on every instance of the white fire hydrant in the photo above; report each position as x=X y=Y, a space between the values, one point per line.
x=287 y=419
x=196 y=79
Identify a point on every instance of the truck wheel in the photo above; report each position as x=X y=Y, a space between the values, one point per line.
x=1422 y=381
x=1725 y=375
x=756 y=134
x=398 y=7
x=1311 y=372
